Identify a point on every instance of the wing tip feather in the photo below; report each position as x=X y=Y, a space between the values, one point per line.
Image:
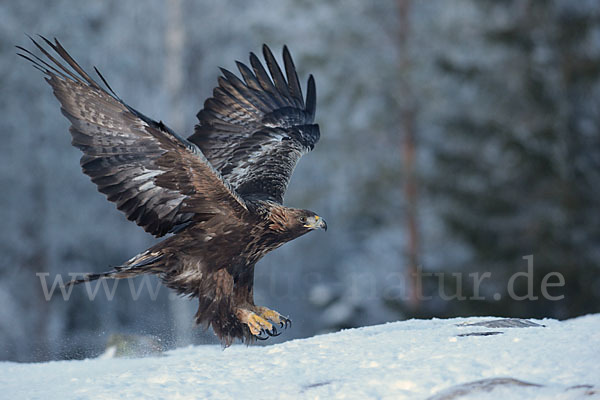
x=311 y=96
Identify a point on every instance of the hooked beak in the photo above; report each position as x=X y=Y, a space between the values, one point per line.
x=316 y=223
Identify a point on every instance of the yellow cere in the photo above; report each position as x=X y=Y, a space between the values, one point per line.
x=317 y=217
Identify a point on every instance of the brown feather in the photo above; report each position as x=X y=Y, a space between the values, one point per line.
x=249 y=123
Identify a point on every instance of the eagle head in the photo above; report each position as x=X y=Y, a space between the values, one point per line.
x=295 y=222
x=308 y=220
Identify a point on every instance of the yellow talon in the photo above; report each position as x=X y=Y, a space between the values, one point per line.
x=269 y=314
x=261 y=321
x=255 y=322
x=274 y=317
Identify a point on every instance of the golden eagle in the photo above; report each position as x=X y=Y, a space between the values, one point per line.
x=219 y=192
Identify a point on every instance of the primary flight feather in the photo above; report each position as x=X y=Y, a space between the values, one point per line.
x=220 y=191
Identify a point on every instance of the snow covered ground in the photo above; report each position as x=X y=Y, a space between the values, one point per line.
x=417 y=359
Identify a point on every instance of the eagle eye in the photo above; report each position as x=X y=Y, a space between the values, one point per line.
x=303 y=219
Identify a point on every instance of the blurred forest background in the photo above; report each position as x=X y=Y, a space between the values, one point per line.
x=457 y=137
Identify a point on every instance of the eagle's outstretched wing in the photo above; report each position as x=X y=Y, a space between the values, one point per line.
x=158 y=179
x=254 y=131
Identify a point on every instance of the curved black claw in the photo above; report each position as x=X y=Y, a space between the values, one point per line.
x=259 y=337
x=285 y=322
x=273 y=332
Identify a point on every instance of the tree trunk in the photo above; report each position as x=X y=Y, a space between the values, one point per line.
x=408 y=150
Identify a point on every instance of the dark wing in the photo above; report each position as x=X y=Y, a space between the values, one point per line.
x=254 y=131
x=158 y=179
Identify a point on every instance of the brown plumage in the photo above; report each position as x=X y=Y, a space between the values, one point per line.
x=219 y=192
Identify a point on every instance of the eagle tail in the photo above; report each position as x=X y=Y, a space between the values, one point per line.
x=146 y=262
x=89 y=278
